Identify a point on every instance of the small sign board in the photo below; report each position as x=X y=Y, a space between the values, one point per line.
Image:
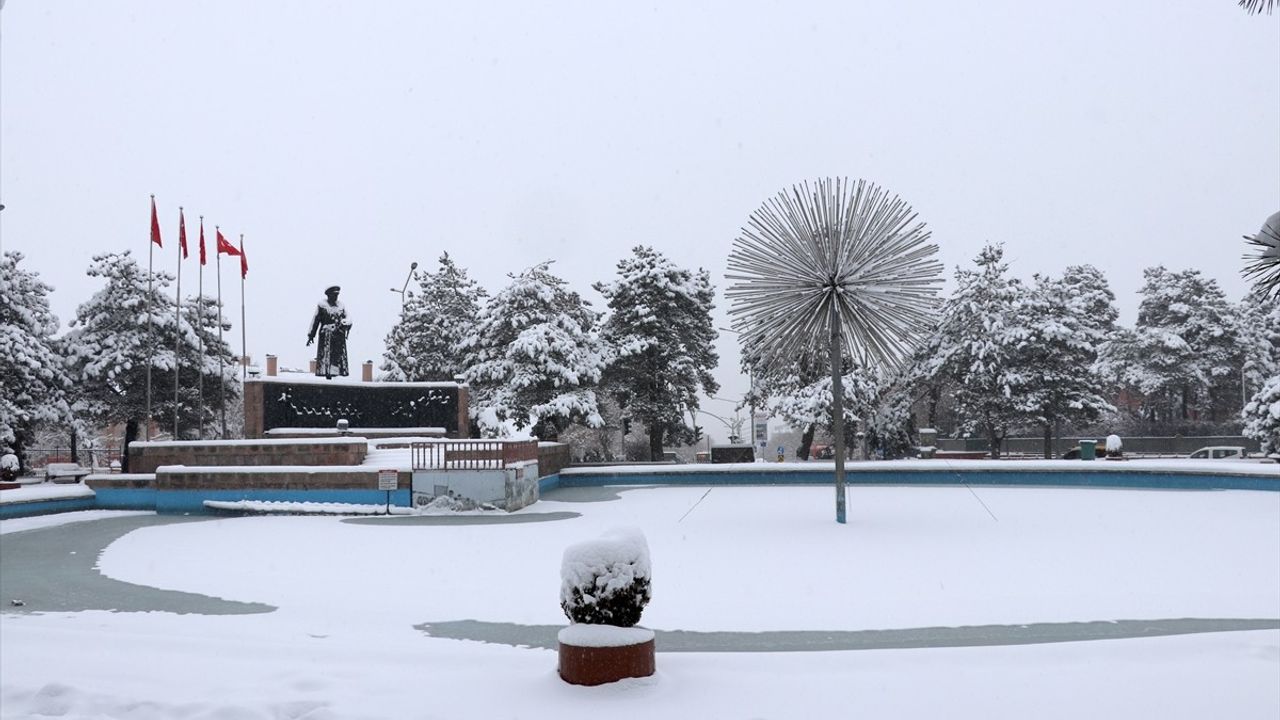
x=388 y=479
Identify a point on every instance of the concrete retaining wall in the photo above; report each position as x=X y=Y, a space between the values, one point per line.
x=145 y=457
x=1177 y=446
x=1030 y=478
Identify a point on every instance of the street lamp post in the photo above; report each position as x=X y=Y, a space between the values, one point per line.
x=751 y=393
x=412 y=267
x=733 y=426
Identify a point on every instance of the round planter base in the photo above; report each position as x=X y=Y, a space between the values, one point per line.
x=590 y=664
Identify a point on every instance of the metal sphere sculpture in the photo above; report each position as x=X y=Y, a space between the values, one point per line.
x=1264 y=265
x=837 y=263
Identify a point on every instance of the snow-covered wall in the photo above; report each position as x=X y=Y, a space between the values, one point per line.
x=145 y=457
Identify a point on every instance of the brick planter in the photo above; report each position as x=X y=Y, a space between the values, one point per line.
x=599 y=654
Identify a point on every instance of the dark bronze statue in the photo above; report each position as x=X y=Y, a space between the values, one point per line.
x=333 y=326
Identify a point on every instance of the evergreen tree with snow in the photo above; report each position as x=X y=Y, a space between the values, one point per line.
x=33 y=383
x=534 y=358
x=924 y=378
x=108 y=349
x=1259 y=328
x=1183 y=356
x=977 y=345
x=660 y=339
x=1262 y=416
x=1260 y=351
x=1056 y=330
x=423 y=345
x=799 y=394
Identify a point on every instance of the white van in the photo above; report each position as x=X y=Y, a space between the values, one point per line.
x=1220 y=452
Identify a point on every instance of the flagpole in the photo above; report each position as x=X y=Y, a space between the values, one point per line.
x=150 y=345
x=177 y=322
x=244 y=352
x=200 y=336
x=222 y=385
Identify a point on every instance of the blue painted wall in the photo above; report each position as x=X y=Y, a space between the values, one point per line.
x=46 y=507
x=110 y=498
x=192 y=501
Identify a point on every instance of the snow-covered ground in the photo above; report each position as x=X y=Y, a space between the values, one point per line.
x=36 y=492
x=342 y=642
x=48 y=521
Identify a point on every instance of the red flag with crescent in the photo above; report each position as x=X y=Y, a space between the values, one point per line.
x=224 y=247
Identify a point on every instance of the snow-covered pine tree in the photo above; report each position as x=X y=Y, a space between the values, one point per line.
x=423 y=345
x=33 y=383
x=200 y=329
x=1058 y=326
x=799 y=394
x=976 y=347
x=1262 y=416
x=1260 y=349
x=924 y=378
x=533 y=357
x=1091 y=298
x=108 y=347
x=1259 y=326
x=1182 y=356
x=660 y=339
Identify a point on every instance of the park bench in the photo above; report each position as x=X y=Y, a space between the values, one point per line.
x=64 y=472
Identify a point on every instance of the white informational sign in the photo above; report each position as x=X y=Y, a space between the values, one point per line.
x=760 y=430
x=388 y=479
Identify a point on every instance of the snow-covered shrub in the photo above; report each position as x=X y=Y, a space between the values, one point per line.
x=1114 y=446
x=9 y=466
x=1262 y=416
x=606 y=581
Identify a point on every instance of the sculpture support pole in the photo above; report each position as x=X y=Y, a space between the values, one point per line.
x=837 y=406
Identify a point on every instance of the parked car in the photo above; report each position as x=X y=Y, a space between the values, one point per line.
x=1220 y=452
x=64 y=472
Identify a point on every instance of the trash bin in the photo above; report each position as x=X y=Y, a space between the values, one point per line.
x=1088 y=449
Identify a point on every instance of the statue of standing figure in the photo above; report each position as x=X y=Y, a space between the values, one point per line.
x=332 y=325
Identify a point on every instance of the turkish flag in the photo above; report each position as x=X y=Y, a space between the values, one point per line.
x=155 y=224
x=224 y=247
x=202 y=262
x=182 y=233
x=244 y=260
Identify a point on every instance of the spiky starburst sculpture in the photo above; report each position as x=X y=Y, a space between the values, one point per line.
x=1257 y=7
x=840 y=263
x=1264 y=266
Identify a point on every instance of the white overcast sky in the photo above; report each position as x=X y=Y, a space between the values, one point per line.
x=346 y=140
